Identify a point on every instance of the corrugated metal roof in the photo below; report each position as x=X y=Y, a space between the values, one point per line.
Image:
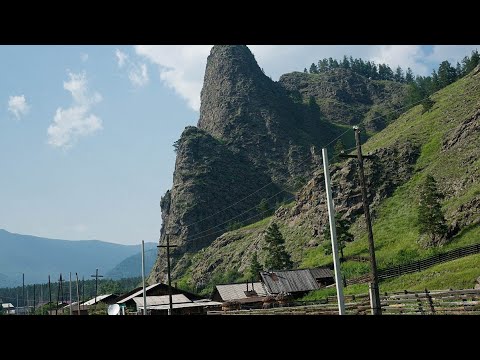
x=137 y=293
x=291 y=281
x=7 y=306
x=99 y=298
x=183 y=305
x=237 y=291
x=161 y=300
x=321 y=273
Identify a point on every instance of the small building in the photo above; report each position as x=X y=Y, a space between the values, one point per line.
x=181 y=305
x=246 y=294
x=296 y=282
x=75 y=306
x=157 y=289
x=8 y=309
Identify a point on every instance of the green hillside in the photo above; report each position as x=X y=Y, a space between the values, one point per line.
x=448 y=138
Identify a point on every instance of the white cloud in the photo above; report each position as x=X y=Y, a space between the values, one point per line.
x=84 y=57
x=137 y=71
x=121 y=57
x=452 y=53
x=71 y=123
x=406 y=56
x=182 y=67
x=18 y=106
x=138 y=75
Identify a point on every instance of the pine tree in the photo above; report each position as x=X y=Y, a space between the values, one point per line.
x=430 y=215
x=255 y=267
x=343 y=235
x=399 y=75
x=409 y=76
x=305 y=70
x=277 y=256
x=446 y=74
x=313 y=69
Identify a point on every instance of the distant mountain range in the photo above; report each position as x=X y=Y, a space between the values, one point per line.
x=39 y=257
x=132 y=265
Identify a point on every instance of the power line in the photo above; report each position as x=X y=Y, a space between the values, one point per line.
x=263 y=187
x=301 y=163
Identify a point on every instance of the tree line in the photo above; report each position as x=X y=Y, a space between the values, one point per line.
x=86 y=290
x=419 y=87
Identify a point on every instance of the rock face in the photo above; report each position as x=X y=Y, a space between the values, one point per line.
x=255 y=140
x=255 y=116
x=348 y=98
x=208 y=178
x=390 y=168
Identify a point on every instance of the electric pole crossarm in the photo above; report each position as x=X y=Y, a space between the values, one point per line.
x=96 y=276
x=342 y=155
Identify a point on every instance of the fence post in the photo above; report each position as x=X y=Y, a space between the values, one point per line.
x=420 y=307
x=430 y=301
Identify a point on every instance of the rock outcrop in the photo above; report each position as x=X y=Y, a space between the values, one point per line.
x=256 y=139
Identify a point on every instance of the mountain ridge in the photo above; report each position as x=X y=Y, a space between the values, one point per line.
x=38 y=257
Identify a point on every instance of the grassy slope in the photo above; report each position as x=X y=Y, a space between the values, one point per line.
x=395 y=227
x=457 y=274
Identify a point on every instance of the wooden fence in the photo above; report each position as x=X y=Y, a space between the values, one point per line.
x=419 y=265
x=436 y=302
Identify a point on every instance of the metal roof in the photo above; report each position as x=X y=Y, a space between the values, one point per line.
x=161 y=300
x=138 y=293
x=321 y=273
x=7 y=306
x=99 y=298
x=237 y=291
x=183 y=305
x=291 y=281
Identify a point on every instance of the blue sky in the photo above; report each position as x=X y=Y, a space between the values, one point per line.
x=86 y=132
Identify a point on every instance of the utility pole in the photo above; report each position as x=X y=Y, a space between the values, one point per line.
x=23 y=292
x=373 y=286
x=333 y=235
x=78 y=295
x=70 y=287
x=143 y=280
x=49 y=295
x=34 y=299
x=96 y=276
x=58 y=293
x=168 y=246
x=83 y=289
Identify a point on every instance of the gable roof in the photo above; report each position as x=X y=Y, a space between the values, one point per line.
x=138 y=292
x=292 y=281
x=99 y=298
x=238 y=291
x=161 y=300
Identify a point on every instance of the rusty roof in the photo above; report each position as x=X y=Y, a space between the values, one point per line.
x=238 y=291
x=292 y=281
